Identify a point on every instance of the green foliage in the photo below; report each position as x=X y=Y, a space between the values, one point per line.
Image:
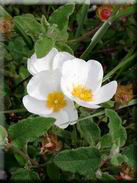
x=80 y=160
x=44 y=24
x=63 y=133
x=3 y=136
x=118 y=159
x=107 y=176
x=29 y=129
x=58 y=26
x=43 y=46
x=18 y=51
x=28 y=24
x=108 y=104
x=53 y=171
x=117 y=131
x=106 y=141
x=62 y=21
x=10 y=161
x=99 y=144
x=64 y=47
x=89 y=131
x=56 y=34
x=130 y=153
x=3 y=12
x=20 y=159
x=81 y=16
x=24 y=174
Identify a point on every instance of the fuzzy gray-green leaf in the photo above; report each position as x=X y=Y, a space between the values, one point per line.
x=28 y=24
x=116 y=130
x=29 y=129
x=43 y=46
x=89 y=131
x=61 y=16
x=79 y=160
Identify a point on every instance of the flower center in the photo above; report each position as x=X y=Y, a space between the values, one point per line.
x=56 y=101
x=82 y=93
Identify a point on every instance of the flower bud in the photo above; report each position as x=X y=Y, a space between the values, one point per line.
x=50 y=144
x=124 y=94
x=104 y=12
x=5 y=25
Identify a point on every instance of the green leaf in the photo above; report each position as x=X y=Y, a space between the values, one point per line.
x=89 y=174
x=81 y=13
x=9 y=160
x=89 y=131
x=130 y=152
x=64 y=47
x=106 y=141
x=29 y=129
x=53 y=171
x=24 y=174
x=59 y=24
x=116 y=130
x=61 y=16
x=81 y=16
x=108 y=104
x=3 y=12
x=3 y=136
x=62 y=133
x=118 y=159
x=28 y=24
x=18 y=48
x=56 y=34
x=20 y=159
x=43 y=46
x=106 y=176
x=44 y=23
x=80 y=160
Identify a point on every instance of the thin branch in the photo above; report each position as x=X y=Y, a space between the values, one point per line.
x=84 y=37
x=13 y=111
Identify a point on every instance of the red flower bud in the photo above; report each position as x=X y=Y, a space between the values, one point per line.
x=104 y=12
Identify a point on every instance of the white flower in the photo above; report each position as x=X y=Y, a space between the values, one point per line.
x=53 y=60
x=81 y=82
x=46 y=98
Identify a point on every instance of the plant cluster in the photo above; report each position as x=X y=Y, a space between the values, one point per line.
x=69 y=92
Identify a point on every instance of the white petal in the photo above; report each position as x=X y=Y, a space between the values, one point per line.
x=73 y=73
x=74 y=68
x=72 y=112
x=62 y=119
x=60 y=58
x=95 y=75
x=87 y=104
x=67 y=86
x=43 y=83
x=35 y=106
x=106 y=92
x=79 y=72
x=36 y=65
x=30 y=64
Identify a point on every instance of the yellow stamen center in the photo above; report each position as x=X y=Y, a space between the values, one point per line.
x=82 y=93
x=56 y=101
